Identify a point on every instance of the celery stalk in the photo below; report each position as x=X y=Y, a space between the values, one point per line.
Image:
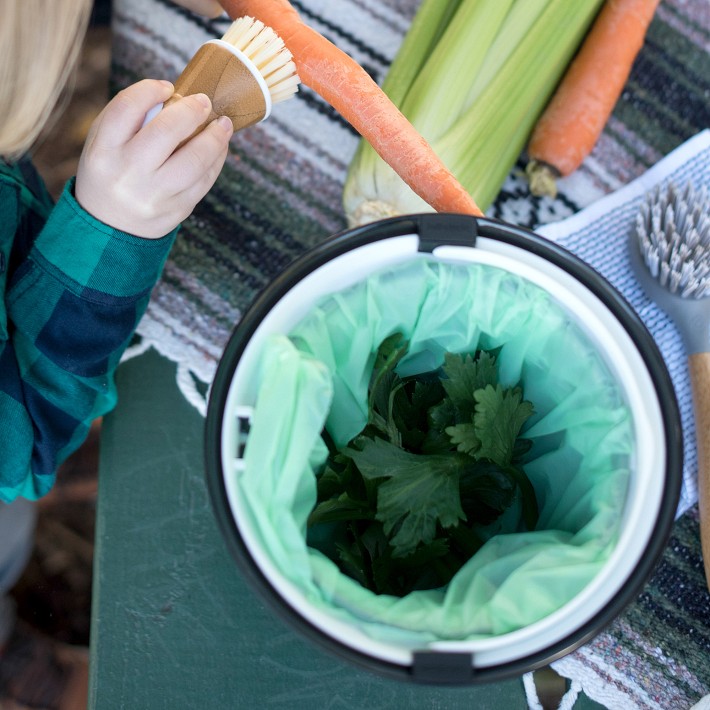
x=489 y=139
x=517 y=26
x=373 y=174
x=424 y=33
x=456 y=49
x=479 y=86
x=372 y=188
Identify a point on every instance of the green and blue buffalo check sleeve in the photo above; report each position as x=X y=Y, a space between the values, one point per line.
x=75 y=291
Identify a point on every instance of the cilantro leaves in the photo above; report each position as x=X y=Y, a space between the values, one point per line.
x=405 y=504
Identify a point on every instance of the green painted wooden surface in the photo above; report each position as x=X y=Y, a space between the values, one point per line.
x=173 y=623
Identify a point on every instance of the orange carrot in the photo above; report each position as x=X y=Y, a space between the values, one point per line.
x=346 y=86
x=569 y=127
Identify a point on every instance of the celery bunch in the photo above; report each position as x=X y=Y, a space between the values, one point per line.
x=472 y=76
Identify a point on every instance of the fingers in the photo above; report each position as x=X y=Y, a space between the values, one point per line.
x=123 y=116
x=173 y=125
x=185 y=194
x=196 y=165
x=207 y=8
x=137 y=179
x=184 y=202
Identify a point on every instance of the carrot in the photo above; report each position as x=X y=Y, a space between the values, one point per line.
x=349 y=89
x=572 y=122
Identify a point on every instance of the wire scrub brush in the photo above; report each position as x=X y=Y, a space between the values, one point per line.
x=670 y=255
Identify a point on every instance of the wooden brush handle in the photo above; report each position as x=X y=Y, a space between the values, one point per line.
x=230 y=85
x=232 y=88
x=699 y=364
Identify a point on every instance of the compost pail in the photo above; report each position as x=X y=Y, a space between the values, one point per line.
x=433 y=638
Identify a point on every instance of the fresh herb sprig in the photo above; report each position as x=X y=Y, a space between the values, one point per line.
x=440 y=458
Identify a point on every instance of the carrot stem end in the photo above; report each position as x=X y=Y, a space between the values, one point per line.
x=542 y=179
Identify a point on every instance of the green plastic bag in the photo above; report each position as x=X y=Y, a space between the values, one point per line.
x=582 y=437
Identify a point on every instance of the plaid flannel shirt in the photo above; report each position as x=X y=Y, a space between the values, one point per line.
x=74 y=290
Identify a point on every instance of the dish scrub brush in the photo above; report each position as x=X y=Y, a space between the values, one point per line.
x=244 y=74
x=671 y=259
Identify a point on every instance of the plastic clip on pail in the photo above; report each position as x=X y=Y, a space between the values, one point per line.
x=549 y=313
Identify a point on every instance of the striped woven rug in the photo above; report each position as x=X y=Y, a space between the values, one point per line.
x=280 y=193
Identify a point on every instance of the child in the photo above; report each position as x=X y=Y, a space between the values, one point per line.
x=76 y=277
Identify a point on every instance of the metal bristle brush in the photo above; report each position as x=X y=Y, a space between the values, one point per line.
x=670 y=255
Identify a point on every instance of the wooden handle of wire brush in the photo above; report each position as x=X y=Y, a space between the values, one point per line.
x=699 y=364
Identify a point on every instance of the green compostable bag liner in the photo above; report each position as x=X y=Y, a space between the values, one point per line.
x=580 y=461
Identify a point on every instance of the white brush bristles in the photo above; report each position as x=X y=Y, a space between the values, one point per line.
x=268 y=53
x=673 y=229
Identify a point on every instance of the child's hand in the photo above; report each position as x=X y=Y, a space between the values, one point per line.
x=133 y=178
x=208 y=8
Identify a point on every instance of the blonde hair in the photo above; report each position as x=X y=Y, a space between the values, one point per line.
x=40 y=41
